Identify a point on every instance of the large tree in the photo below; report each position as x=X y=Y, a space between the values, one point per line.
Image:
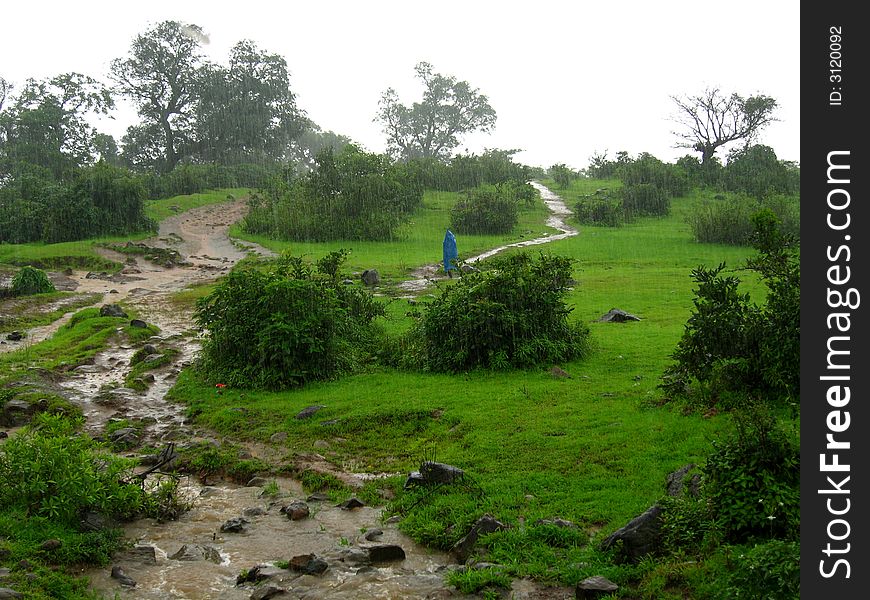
x=160 y=76
x=713 y=119
x=431 y=128
x=45 y=125
x=246 y=111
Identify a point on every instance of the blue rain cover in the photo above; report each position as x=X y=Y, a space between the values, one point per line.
x=450 y=252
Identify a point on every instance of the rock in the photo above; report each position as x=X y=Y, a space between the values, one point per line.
x=50 y=545
x=14 y=336
x=329 y=422
x=127 y=436
x=9 y=593
x=16 y=412
x=468 y=269
x=257 y=574
x=414 y=478
x=435 y=472
x=318 y=497
x=356 y=556
x=594 y=587
x=3 y=435
x=268 y=591
x=257 y=482
x=94 y=521
x=149 y=349
x=393 y=520
x=370 y=277
x=191 y=552
x=309 y=411
x=253 y=511
x=641 y=536
x=374 y=533
x=461 y=550
x=123 y=578
x=386 y=553
x=309 y=564
x=347 y=281
x=4 y=573
x=677 y=484
x=558 y=373
x=139 y=323
x=112 y=310
x=321 y=444
x=557 y=522
x=351 y=504
x=142 y=553
x=235 y=525
x=296 y=511
x=277 y=438
x=614 y=315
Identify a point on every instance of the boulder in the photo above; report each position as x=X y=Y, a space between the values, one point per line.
x=641 y=536
x=308 y=411
x=142 y=553
x=309 y=564
x=351 y=503
x=296 y=511
x=461 y=550
x=615 y=315
x=14 y=336
x=679 y=482
x=192 y=552
x=267 y=591
x=594 y=587
x=371 y=277
x=435 y=472
x=386 y=553
x=138 y=323
x=124 y=579
x=16 y=412
x=235 y=525
x=112 y=310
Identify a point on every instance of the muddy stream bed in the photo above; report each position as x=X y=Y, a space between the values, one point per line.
x=192 y=557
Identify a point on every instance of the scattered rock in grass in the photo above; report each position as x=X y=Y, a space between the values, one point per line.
x=296 y=511
x=435 y=472
x=138 y=323
x=370 y=277
x=309 y=564
x=277 y=438
x=126 y=436
x=641 y=536
x=235 y=525
x=16 y=412
x=50 y=545
x=595 y=587
x=9 y=593
x=557 y=522
x=615 y=315
x=485 y=524
x=309 y=411
x=414 y=478
x=14 y=336
x=193 y=552
x=124 y=579
x=112 y=310
x=559 y=373
x=678 y=483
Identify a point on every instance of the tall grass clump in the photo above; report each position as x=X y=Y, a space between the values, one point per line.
x=728 y=219
x=29 y=280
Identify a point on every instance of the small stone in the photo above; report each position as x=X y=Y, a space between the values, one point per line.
x=557 y=522
x=374 y=533
x=296 y=511
x=269 y=591
x=9 y=593
x=15 y=336
x=354 y=555
x=309 y=411
x=253 y=511
x=138 y=323
x=192 y=552
x=351 y=504
x=308 y=564
x=559 y=373
x=485 y=524
x=49 y=545
x=235 y=525
x=594 y=587
x=386 y=553
x=257 y=482
x=123 y=578
x=321 y=444
x=370 y=277
x=277 y=438
x=112 y=310
x=393 y=520
x=318 y=497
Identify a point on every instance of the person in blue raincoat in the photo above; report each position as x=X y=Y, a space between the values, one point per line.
x=450 y=253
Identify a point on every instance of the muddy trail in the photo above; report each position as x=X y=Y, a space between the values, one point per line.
x=231 y=529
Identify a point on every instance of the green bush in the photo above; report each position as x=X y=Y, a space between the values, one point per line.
x=49 y=471
x=729 y=221
x=599 y=209
x=349 y=195
x=767 y=570
x=512 y=315
x=285 y=325
x=646 y=169
x=562 y=174
x=466 y=171
x=487 y=209
x=29 y=280
x=645 y=200
x=752 y=480
x=755 y=170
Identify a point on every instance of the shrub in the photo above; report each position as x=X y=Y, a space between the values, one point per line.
x=599 y=209
x=49 y=471
x=755 y=170
x=645 y=200
x=752 y=480
x=767 y=570
x=286 y=325
x=29 y=280
x=729 y=221
x=562 y=175
x=646 y=169
x=512 y=315
x=349 y=195
x=487 y=209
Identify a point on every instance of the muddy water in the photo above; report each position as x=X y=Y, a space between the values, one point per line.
x=559 y=213
x=330 y=533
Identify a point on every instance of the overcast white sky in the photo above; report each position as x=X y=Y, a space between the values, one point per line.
x=567 y=79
